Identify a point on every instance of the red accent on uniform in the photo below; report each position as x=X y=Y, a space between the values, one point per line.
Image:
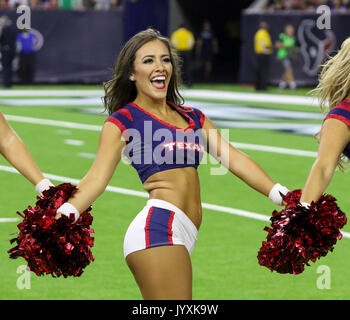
x=190 y=127
x=344 y=105
x=339 y=117
x=126 y=113
x=170 y=227
x=148 y=220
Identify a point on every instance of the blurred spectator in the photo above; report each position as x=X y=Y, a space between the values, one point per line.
x=183 y=41
x=88 y=4
x=66 y=4
x=15 y=3
x=286 y=51
x=3 y=4
x=63 y=4
x=25 y=43
x=114 y=3
x=8 y=49
x=207 y=47
x=102 y=4
x=263 y=50
x=336 y=5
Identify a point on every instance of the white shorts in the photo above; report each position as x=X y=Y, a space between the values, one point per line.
x=160 y=223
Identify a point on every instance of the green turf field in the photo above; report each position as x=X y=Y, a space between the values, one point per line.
x=225 y=257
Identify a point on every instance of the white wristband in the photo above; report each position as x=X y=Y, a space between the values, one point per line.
x=43 y=185
x=67 y=209
x=275 y=195
x=305 y=204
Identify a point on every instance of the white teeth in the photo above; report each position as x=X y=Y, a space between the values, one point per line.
x=160 y=78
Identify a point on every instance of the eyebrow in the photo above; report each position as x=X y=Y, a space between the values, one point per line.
x=152 y=56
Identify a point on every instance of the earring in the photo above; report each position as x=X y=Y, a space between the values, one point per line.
x=132 y=78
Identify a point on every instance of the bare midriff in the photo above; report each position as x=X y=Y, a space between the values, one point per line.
x=180 y=187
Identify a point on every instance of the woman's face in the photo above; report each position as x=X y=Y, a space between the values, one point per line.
x=152 y=70
x=289 y=30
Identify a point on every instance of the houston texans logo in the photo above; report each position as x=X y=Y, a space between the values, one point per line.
x=315 y=45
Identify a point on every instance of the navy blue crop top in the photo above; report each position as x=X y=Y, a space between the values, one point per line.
x=153 y=145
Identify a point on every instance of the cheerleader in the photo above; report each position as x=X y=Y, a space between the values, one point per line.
x=15 y=152
x=334 y=138
x=165 y=142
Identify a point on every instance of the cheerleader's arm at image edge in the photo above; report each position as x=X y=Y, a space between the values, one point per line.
x=335 y=135
x=16 y=153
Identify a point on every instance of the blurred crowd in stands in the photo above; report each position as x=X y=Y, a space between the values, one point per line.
x=61 y=4
x=334 y=5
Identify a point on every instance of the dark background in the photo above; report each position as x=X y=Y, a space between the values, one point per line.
x=82 y=46
x=225 y=17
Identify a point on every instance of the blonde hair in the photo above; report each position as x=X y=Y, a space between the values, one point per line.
x=334 y=79
x=334 y=84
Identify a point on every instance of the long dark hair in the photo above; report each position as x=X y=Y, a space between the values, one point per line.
x=120 y=90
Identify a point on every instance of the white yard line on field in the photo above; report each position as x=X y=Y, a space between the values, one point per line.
x=257 y=147
x=51 y=93
x=141 y=194
x=54 y=123
x=74 y=142
x=89 y=127
x=186 y=93
x=250 y=96
x=9 y=220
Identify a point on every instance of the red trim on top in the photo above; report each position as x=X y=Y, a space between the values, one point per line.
x=126 y=113
x=190 y=127
x=189 y=109
x=338 y=117
x=343 y=105
x=192 y=124
x=120 y=126
x=202 y=118
x=148 y=220
x=170 y=227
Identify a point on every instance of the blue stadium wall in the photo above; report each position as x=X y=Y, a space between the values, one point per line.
x=82 y=46
x=315 y=44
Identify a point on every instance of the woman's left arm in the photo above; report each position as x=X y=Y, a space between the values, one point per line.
x=335 y=135
x=239 y=163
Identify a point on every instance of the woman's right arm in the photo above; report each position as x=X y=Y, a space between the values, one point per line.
x=14 y=151
x=96 y=180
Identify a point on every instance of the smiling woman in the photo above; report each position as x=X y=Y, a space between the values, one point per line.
x=165 y=142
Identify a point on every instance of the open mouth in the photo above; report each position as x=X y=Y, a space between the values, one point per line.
x=158 y=82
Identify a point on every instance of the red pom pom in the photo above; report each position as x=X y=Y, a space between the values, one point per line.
x=50 y=246
x=299 y=235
